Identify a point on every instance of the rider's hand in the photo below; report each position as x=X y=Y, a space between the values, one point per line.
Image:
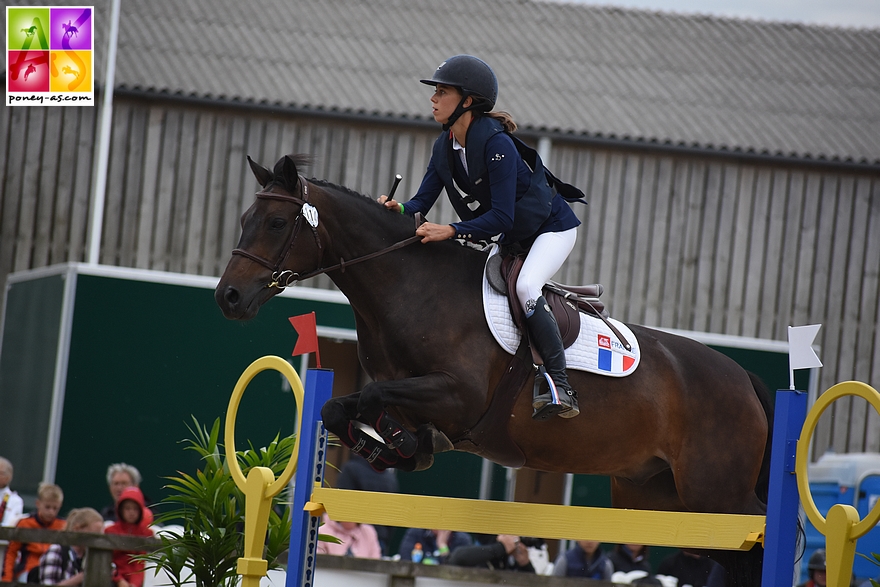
x=389 y=204
x=431 y=232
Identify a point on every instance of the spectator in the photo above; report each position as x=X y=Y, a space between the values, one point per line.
x=692 y=569
x=63 y=565
x=630 y=557
x=357 y=474
x=505 y=552
x=436 y=544
x=11 y=504
x=584 y=559
x=816 y=570
x=130 y=521
x=22 y=557
x=358 y=540
x=120 y=476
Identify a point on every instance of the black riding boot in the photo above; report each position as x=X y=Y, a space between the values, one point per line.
x=545 y=334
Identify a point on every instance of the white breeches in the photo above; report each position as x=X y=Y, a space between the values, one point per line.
x=546 y=256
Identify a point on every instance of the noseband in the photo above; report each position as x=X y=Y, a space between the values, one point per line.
x=308 y=214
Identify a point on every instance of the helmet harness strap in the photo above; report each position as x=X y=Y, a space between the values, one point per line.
x=459 y=110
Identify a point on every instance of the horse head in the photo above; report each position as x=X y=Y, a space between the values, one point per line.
x=280 y=240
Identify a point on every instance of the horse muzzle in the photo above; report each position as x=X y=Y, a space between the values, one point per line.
x=236 y=304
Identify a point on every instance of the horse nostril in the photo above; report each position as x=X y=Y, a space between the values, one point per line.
x=231 y=295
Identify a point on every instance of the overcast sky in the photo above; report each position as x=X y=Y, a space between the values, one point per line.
x=848 y=13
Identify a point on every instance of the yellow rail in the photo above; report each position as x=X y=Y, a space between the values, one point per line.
x=680 y=529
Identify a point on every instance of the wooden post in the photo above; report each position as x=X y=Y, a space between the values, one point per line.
x=98 y=567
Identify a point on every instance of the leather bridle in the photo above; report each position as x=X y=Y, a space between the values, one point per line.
x=308 y=214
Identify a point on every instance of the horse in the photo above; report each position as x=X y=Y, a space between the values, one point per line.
x=688 y=430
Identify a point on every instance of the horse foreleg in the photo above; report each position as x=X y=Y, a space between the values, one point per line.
x=340 y=417
x=416 y=396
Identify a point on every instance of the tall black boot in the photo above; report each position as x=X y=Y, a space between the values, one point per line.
x=544 y=333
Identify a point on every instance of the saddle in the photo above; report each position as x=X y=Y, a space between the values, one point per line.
x=565 y=301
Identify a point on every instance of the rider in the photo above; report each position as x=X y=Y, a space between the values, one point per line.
x=505 y=196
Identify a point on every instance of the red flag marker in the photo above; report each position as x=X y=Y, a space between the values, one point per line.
x=307 y=342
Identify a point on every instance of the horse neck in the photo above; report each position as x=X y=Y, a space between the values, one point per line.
x=355 y=229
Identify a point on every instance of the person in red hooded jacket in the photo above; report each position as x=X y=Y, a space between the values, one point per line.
x=131 y=519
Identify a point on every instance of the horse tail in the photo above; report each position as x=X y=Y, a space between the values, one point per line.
x=762 y=487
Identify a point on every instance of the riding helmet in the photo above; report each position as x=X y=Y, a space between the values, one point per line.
x=817 y=560
x=471 y=75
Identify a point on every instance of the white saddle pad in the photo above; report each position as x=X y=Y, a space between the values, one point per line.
x=596 y=349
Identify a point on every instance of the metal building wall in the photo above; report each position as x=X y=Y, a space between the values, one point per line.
x=679 y=239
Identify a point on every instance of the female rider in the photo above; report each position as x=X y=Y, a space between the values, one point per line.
x=506 y=197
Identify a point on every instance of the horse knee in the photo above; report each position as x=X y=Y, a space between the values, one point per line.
x=334 y=416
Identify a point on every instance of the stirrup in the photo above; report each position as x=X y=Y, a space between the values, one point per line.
x=546 y=405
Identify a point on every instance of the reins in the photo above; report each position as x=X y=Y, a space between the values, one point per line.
x=286 y=278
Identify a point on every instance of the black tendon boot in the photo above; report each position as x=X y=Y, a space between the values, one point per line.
x=544 y=333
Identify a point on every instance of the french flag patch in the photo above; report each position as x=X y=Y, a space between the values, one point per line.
x=613 y=358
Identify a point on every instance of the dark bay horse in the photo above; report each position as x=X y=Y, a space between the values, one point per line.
x=688 y=430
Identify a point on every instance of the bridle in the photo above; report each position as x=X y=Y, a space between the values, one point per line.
x=308 y=214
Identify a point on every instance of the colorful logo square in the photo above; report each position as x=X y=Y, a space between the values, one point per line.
x=50 y=56
x=28 y=71
x=71 y=29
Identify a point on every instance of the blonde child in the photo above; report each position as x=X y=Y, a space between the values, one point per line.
x=21 y=557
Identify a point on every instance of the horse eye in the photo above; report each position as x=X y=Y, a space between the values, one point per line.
x=277 y=223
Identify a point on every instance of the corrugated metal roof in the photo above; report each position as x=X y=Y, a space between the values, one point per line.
x=779 y=88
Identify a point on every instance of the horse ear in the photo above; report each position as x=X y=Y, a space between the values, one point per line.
x=263 y=175
x=288 y=170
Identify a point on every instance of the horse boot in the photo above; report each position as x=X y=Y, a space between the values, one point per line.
x=560 y=398
x=396 y=436
x=374 y=452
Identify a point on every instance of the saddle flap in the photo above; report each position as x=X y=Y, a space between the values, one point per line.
x=568 y=318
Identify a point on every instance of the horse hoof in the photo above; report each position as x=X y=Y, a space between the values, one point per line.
x=547 y=412
x=423 y=461
x=432 y=441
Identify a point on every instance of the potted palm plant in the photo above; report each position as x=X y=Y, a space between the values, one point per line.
x=210 y=509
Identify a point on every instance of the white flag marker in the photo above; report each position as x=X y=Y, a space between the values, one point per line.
x=800 y=351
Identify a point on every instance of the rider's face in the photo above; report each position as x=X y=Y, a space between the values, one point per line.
x=444 y=101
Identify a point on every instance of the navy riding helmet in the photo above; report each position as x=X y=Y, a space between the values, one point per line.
x=469 y=74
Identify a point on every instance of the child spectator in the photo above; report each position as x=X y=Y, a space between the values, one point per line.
x=130 y=519
x=63 y=565
x=11 y=504
x=358 y=540
x=22 y=557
